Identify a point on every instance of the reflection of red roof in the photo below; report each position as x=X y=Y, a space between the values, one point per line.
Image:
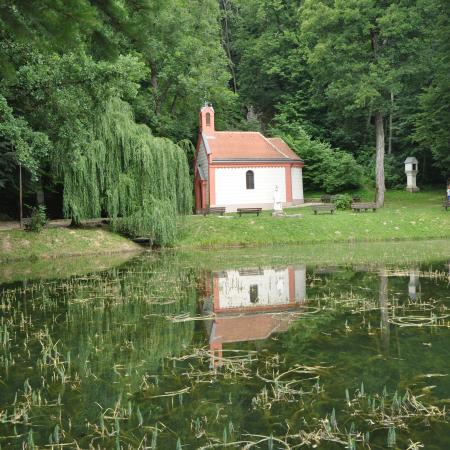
x=248 y=328
x=245 y=145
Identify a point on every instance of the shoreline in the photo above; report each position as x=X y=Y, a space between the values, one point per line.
x=215 y=246
x=220 y=246
x=57 y=243
x=405 y=217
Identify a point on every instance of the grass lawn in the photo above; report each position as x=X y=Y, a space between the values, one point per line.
x=405 y=216
x=56 y=242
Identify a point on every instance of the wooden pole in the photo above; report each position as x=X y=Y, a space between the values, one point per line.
x=20 y=195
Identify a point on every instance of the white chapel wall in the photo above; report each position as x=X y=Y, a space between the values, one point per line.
x=297 y=183
x=272 y=288
x=300 y=282
x=231 y=185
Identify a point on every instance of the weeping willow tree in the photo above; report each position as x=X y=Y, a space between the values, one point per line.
x=141 y=181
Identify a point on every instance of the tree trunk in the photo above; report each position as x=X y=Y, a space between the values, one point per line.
x=40 y=197
x=154 y=83
x=379 y=167
x=384 y=310
x=226 y=41
x=390 y=124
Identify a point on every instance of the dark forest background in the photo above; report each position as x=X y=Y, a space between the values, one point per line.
x=319 y=73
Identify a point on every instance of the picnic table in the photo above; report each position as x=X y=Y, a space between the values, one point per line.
x=215 y=210
x=324 y=208
x=364 y=207
x=241 y=211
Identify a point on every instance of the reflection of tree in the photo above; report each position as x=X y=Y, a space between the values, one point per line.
x=112 y=327
x=122 y=330
x=384 y=310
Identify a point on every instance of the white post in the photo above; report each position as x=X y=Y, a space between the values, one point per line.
x=411 y=169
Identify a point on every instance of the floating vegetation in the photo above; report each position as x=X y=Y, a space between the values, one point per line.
x=132 y=358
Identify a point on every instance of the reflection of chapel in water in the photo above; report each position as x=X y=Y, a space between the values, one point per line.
x=252 y=304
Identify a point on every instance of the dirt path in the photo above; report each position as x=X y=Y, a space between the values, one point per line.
x=59 y=223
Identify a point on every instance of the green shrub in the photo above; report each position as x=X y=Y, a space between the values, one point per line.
x=326 y=169
x=394 y=171
x=343 y=201
x=38 y=219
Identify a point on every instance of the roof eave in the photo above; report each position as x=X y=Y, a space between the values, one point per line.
x=205 y=141
x=256 y=160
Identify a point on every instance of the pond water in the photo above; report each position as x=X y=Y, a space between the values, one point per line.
x=166 y=353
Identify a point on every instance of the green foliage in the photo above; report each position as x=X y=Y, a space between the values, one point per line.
x=58 y=74
x=325 y=66
x=394 y=170
x=327 y=169
x=431 y=124
x=139 y=180
x=18 y=143
x=313 y=63
x=180 y=44
x=343 y=201
x=266 y=51
x=38 y=219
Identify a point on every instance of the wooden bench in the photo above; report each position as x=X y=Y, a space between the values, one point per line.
x=256 y=211
x=364 y=207
x=216 y=210
x=356 y=198
x=324 y=208
x=326 y=198
x=446 y=204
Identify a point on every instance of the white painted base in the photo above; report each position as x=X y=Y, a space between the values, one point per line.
x=264 y=206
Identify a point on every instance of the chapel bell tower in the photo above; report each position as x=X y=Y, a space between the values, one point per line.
x=207 y=119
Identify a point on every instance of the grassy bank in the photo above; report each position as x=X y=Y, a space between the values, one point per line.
x=405 y=216
x=44 y=268
x=16 y=245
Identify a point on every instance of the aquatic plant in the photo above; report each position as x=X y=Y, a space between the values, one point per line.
x=120 y=359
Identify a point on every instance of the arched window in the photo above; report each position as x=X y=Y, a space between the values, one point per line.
x=250 y=179
x=208 y=119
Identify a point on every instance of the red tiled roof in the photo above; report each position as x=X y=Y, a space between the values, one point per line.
x=283 y=147
x=249 y=328
x=248 y=145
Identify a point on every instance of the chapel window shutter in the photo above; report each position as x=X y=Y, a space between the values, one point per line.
x=250 y=179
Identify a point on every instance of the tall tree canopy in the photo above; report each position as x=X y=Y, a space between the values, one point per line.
x=338 y=78
x=76 y=79
x=342 y=69
x=433 y=118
